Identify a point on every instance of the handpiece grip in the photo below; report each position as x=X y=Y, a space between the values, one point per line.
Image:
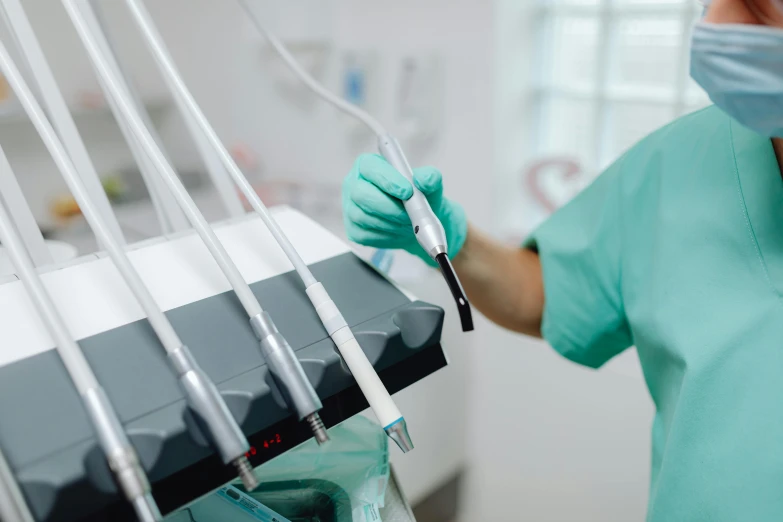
x=371 y=385
x=427 y=227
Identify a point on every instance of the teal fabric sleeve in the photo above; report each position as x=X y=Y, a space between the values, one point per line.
x=580 y=247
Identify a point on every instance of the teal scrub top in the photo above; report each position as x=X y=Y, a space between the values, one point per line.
x=677 y=249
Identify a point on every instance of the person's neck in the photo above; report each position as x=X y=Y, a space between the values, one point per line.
x=777 y=144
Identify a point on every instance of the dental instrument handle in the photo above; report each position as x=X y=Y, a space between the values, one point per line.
x=282 y=359
x=73 y=359
x=95 y=219
x=379 y=400
x=22 y=216
x=143 y=136
x=427 y=228
x=331 y=318
x=286 y=369
x=28 y=45
x=361 y=368
x=119 y=453
x=169 y=214
x=233 y=449
x=190 y=106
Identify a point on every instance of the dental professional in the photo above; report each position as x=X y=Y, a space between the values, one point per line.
x=677 y=249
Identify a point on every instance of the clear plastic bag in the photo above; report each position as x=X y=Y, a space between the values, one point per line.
x=355 y=461
x=342 y=481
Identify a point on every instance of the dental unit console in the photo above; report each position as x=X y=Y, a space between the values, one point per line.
x=329 y=313
x=120 y=455
x=204 y=400
x=46 y=434
x=131 y=377
x=279 y=356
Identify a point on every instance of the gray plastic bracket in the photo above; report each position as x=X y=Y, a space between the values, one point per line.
x=45 y=431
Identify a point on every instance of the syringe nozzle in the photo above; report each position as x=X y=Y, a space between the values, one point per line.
x=398 y=432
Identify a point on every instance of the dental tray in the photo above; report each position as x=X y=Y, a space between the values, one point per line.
x=44 y=430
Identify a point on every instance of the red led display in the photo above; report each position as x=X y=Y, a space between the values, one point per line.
x=266 y=445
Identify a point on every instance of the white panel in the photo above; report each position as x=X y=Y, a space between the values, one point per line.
x=93 y=298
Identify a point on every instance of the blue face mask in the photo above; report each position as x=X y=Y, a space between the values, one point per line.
x=741 y=68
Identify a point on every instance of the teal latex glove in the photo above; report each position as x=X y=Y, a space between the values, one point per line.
x=373 y=211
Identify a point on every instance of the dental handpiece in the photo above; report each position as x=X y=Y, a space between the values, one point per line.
x=13 y=507
x=119 y=453
x=427 y=228
x=203 y=397
x=335 y=324
x=278 y=353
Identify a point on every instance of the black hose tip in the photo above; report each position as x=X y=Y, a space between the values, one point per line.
x=463 y=306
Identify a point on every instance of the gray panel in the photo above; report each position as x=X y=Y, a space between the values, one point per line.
x=45 y=432
x=35 y=395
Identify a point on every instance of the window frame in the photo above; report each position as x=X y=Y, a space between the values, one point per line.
x=679 y=100
x=526 y=91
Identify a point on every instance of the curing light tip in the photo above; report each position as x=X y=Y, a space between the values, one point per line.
x=398 y=432
x=246 y=474
x=463 y=306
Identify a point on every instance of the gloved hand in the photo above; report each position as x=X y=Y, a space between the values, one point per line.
x=373 y=211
